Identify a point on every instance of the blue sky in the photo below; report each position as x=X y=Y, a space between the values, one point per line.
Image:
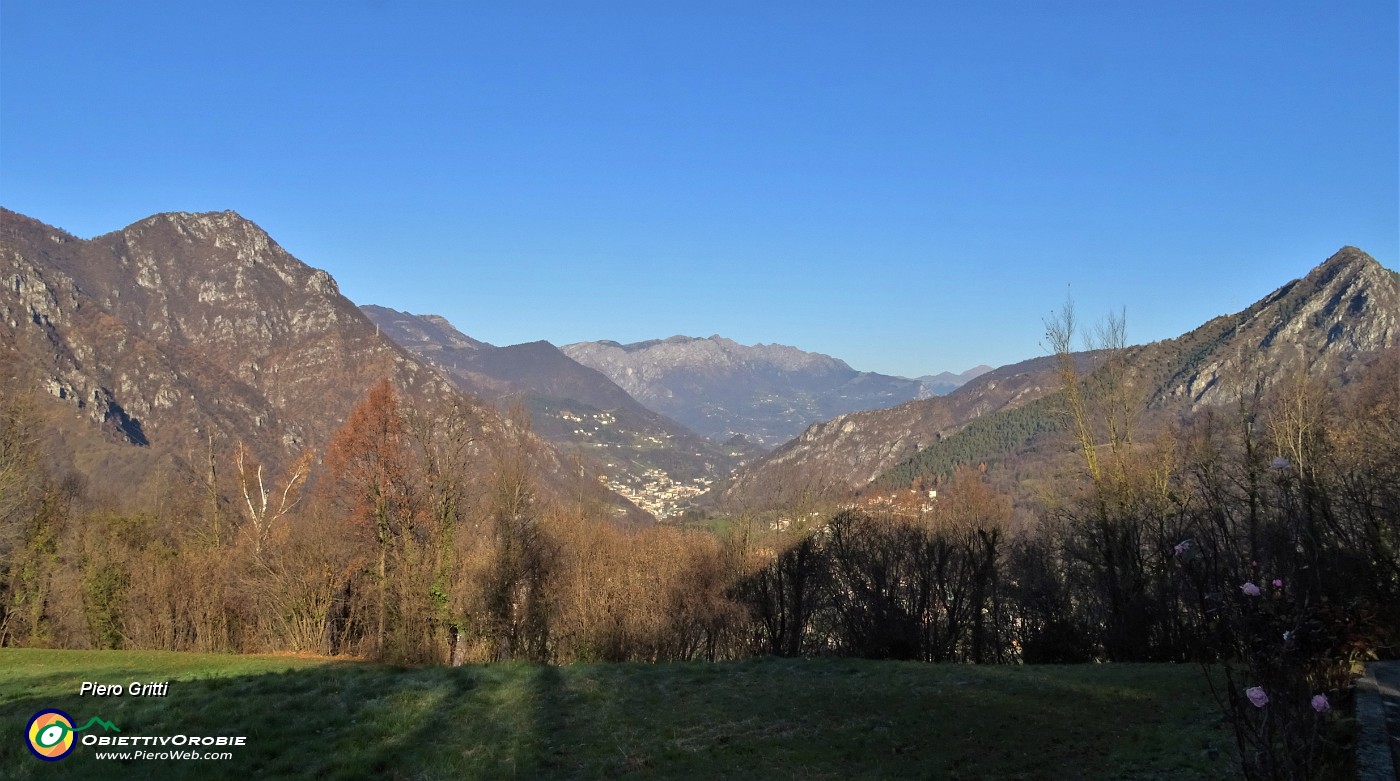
x=911 y=187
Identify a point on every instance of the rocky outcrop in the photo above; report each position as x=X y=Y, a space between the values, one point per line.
x=1344 y=309
x=183 y=330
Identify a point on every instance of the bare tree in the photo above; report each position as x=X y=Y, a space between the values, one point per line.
x=1060 y=331
x=513 y=585
x=263 y=512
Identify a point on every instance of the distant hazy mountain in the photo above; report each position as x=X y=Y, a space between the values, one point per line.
x=768 y=392
x=947 y=382
x=1328 y=324
x=648 y=457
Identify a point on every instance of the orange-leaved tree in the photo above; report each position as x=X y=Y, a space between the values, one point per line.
x=371 y=469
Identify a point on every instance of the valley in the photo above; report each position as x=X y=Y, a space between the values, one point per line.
x=667 y=426
x=696 y=391
x=185 y=402
x=655 y=462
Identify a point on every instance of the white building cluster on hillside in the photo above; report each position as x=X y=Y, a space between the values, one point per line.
x=658 y=494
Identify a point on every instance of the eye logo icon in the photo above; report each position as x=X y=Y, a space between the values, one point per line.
x=51 y=737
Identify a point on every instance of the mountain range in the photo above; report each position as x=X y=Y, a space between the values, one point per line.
x=183 y=336
x=767 y=393
x=657 y=462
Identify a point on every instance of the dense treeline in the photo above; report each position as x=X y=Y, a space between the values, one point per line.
x=415 y=541
x=1262 y=537
x=890 y=586
x=412 y=538
x=985 y=438
x=1265 y=536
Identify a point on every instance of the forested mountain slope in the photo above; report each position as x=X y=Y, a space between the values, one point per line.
x=1327 y=325
x=832 y=458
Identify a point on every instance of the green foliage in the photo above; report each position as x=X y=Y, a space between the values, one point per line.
x=104 y=589
x=30 y=574
x=986 y=438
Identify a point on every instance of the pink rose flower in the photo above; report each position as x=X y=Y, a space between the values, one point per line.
x=1257 y=696
x=1320 y=703
x=1250 y=590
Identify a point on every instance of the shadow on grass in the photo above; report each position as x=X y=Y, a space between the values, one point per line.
x=755 y=719
x=340 y=721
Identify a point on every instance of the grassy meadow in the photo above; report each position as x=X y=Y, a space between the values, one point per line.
x=766 y=718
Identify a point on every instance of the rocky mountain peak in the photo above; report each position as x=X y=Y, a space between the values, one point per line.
x=186 y=324
x=1327 y=324
x=226 y=220
x=1359 y=273
x=211 y=280
x=1345 y=307
x=1349 y=256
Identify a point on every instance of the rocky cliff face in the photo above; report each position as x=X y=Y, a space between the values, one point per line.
x=1344 y=309
x=184 y=329
x=645 y=456
x=719 y=388
x=186 y=325
x=1328 y=324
